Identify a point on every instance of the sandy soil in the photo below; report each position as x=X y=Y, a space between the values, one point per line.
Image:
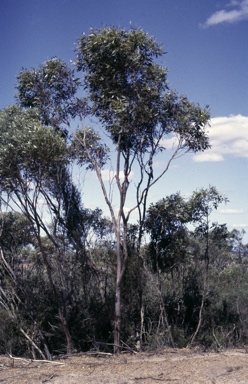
x=168 y=366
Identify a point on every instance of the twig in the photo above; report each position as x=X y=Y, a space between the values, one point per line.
x=49 y=378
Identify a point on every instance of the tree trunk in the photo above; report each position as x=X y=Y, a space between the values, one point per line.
x=69 y=344
x=117 y=321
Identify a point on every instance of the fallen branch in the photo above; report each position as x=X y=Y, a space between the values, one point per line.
x=96 y=353
x=34 y=360
x=33 y=343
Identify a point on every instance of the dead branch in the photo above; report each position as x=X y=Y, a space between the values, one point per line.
x=34 y=360
x=128 y=348
x=33 y=343
x=216 y=340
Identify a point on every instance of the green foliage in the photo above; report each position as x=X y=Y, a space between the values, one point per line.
x=28 y=150
x=166 y=224
x=10 y=341
x=123 y=81
x=15 y=231
x=51 y=89
x=204 y=201
x=89 y=149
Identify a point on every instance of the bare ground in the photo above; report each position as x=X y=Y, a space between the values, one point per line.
x=168 y=366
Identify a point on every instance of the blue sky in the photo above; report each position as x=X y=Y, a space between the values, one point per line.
x=207 y=58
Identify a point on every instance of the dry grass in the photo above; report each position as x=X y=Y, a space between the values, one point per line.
x=167 y=366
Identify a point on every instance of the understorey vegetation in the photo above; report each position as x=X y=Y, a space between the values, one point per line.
x=142 y=277
x=180 y=294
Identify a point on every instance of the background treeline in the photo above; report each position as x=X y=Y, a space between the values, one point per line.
x=186 y=287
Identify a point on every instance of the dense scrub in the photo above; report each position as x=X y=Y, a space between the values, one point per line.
x=160 y=307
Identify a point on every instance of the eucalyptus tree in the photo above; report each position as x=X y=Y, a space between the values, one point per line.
x=202 y=204
x=127 y=91
x=239 y=248
x=32 y=160
x=166 y=225
x=47 y=97
x=166 y=222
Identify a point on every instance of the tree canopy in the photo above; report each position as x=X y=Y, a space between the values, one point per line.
x=128 y=91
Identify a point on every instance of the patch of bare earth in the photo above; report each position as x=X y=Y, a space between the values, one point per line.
x=168 y=366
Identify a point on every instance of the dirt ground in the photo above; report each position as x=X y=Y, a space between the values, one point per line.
x=167 y=366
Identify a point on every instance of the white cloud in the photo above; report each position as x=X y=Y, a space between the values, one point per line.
x=134 y=212
x=109 y=175
x=240 y=12
x=228 y=136
x=210 y=157
x=231 y=211
x=239 y=225
x=169 y=143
